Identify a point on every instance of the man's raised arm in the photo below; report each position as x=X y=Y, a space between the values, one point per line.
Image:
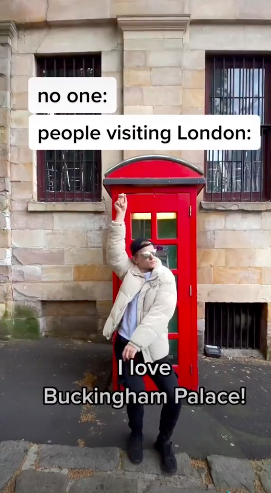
x=116 y=255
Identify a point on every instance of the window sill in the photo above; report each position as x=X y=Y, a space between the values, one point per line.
x=34 y=206
x=236 y=206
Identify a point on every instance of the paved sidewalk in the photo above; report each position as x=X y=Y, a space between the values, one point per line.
x=32 y=468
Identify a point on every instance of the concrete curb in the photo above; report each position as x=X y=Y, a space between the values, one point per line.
x=25 y=466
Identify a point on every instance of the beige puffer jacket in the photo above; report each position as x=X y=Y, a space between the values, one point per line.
x=156 y=303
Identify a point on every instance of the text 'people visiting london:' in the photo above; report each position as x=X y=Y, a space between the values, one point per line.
x=143 y=308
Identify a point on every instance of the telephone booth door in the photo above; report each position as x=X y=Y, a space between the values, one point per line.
x=164 y=218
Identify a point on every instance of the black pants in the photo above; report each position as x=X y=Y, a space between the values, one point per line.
x=135 y=383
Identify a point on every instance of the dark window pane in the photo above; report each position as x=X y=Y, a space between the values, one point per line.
x=71 y=171
x=238 y=91
x=167 y=255
x=173 y=351
x=141 y=225
x=234 y=325
x=166 y=225
x=173 y=324
x=69 y=175
x=176 y=281
x=237 y=87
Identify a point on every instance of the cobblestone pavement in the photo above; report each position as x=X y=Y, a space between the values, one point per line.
x=32 y=468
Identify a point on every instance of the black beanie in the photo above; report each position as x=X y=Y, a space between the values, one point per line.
x=136 y=245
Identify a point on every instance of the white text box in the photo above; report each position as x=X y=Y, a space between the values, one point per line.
x=144 y=132
x=72 y=95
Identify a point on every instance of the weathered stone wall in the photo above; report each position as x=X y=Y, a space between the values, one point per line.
x=234 y=259
x=234 y=241
x=161 y=74
x=58 y=251
x=152 y=74
x=58 y=10
x=59 y=256
x=6 y=36
x=164 y=73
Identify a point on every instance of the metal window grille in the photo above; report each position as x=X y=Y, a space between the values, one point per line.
x=239 y=86
x=233 y=325
x=69 y=176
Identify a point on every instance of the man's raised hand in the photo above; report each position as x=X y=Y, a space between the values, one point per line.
x=121 y=203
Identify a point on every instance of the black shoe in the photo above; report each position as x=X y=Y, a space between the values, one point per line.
x=135 y=448
x=168 y=459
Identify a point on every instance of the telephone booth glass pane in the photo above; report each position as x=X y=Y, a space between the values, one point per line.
x=167 y=255
x=173 y=351
x=141 y=225
x=166 y=225
x=173 y=324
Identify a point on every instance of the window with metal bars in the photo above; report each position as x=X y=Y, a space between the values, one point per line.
x=234 y=325
x=69 y=176
x=239 y=85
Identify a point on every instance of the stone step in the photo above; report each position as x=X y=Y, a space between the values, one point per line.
x=12 y=455
x=42 y=482
x=265 y=477
x=64 y=456
x=26 y=467
x=231 y=473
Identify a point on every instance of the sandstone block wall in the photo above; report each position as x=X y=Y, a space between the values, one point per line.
x=6 y=36
x=52 y=257
x=209 y=10
x=162 y=75
x=234 y=255
x=234 y=241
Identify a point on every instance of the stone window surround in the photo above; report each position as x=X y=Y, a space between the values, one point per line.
x=224 y=205
x=8 y=29
x=125 y=23
x=39 y=206
x=235 y=206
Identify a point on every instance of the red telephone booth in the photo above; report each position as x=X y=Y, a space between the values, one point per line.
x=162 y=196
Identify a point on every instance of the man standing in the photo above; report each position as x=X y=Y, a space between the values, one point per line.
x=145 y=303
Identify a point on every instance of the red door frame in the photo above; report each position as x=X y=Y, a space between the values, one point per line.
x=187 y=291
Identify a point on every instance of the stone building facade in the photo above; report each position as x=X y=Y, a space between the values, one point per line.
x=169 y=57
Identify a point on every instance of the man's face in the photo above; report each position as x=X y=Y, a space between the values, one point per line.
x=145 y=258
